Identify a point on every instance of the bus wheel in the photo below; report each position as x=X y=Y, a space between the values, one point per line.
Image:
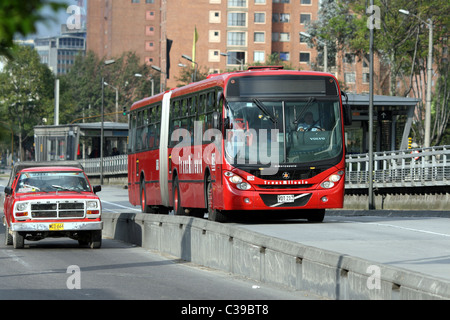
x=177 y=208
x=316 y=215
x=144 y=207
x=213 y=214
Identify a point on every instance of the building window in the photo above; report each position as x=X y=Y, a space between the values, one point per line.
x=305 y=2
x=236 y=39
x=285 y=56
x=214 y=17
x=237 y=19
x=236 y=57
x=260 y=1
x=259 y=37
x=149 y=1
x=305 y=57
x=305 y=18
x=150 y=15
x=135 y=1
x=237 y=3
x=281 y=1
x=258 y=56
x=260 y=17
x=214 y=36
x=149 y=30
x=149 y=46
x=281 y=37
x=213 y=56
x=349 y=77
x=365 y=77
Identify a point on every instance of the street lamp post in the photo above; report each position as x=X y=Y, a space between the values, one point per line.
x=160 y=71
x=107 y=62
x=194 y=77
x=427 y=138
x=138 y=75
x=117 y=100
x=325 y=50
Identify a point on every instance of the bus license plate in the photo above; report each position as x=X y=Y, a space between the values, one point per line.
x=56 y=226
x=283 y=198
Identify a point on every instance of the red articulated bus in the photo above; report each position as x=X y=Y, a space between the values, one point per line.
x=264 y=139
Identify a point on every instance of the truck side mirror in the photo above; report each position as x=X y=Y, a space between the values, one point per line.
x=97 y=189
x=8 y=191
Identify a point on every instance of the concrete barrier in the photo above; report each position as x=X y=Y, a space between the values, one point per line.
x=272 y=260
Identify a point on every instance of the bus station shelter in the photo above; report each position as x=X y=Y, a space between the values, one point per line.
x=392 y=120
x=79 y=141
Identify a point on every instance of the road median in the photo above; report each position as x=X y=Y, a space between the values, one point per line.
x=272 y=260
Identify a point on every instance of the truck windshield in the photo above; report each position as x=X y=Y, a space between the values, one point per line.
x=30 y=182
x=303 y=131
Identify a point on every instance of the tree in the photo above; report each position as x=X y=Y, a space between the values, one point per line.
x=26 y=95
x=401 y=42
x=21 y=17
x=81 y=88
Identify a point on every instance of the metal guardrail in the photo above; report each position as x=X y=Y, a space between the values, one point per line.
x=403 y=168
x=111 y=165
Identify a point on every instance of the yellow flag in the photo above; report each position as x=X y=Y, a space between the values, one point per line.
x=194 y=45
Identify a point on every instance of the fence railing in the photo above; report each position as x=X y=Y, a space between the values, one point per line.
x=403 y=168
x=116 y=165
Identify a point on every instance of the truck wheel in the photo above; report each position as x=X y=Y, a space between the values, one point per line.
x=8 y=237
x=18 y=240
x=96 y=239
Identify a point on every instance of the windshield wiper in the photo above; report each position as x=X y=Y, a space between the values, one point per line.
x=308 y=103
x=261 y=107
x=64 y=188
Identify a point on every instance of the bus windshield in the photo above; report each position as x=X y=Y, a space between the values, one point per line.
x=293 y=131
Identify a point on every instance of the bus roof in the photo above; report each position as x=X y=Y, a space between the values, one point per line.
x=220 y=79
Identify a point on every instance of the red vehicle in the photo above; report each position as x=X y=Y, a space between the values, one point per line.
x=233 y=142
x=44 y=199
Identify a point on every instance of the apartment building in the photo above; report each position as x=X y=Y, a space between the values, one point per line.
x=117 y=26
x=230 y=34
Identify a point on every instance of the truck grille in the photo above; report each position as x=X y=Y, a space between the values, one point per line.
x=58 y=209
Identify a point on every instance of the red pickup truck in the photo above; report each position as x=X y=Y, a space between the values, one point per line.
x=51 y=199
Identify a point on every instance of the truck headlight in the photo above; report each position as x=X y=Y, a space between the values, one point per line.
x=21 y=206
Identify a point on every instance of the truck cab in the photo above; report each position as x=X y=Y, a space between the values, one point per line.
x=51 y=199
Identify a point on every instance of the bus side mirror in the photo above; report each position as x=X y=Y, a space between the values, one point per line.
x=347 y=110
x=347 y=115
x=216 y=120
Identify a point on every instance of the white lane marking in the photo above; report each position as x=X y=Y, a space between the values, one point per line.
x=402 y=228
x=12 y=255
x=119 y=205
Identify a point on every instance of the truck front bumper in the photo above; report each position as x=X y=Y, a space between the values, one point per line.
x=57 y=226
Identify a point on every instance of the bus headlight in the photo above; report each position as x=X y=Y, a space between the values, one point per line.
x=237 y=181
x=243 y=186
x=330 y=182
